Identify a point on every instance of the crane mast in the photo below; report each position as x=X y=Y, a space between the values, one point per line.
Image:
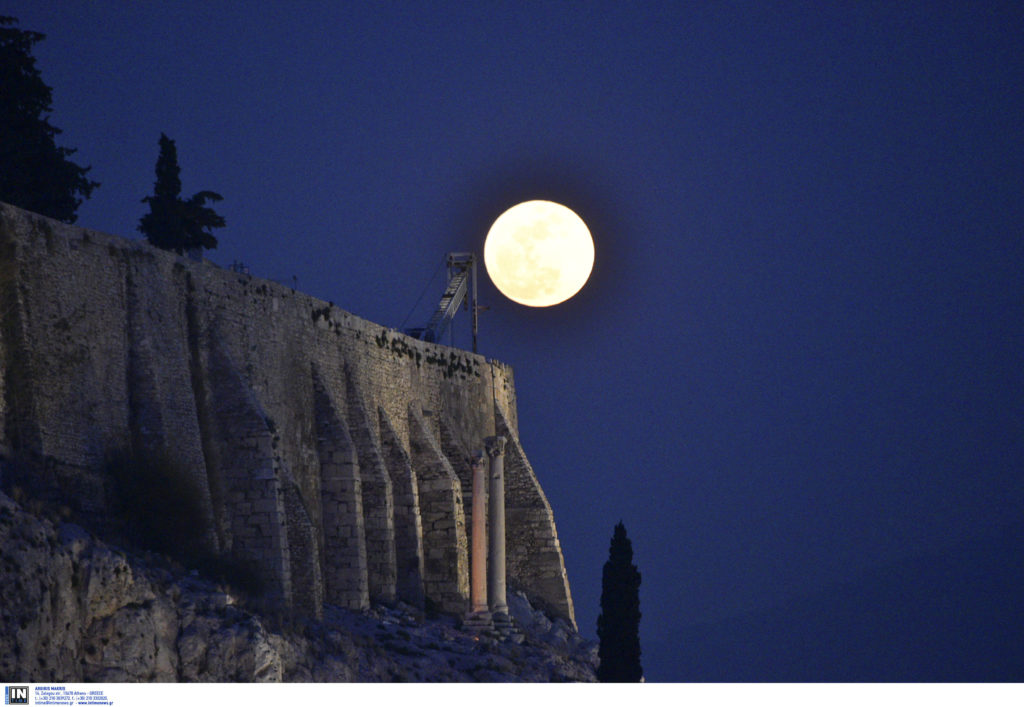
x=459 y=292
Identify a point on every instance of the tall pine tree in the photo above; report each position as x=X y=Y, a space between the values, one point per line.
x=173 y=223
x=618 y=626
x=35 y=174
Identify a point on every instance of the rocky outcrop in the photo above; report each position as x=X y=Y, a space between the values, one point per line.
x=75 y=609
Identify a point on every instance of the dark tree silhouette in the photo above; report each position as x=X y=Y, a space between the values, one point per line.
x=173 y=223
x=35 y=174
x=618 y=626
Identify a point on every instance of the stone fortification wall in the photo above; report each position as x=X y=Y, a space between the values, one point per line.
x=331 y=451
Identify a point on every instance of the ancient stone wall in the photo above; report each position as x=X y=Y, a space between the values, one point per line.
x=322 y=443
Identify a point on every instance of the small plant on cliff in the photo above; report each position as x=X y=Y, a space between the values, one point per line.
x=618 y=626
x=35 y=174
x=173 y=223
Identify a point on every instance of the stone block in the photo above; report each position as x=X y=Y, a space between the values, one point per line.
x=265 y=505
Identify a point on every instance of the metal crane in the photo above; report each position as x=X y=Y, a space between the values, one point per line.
x=461 y=282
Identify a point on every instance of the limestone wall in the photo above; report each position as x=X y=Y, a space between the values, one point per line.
x=330 y=451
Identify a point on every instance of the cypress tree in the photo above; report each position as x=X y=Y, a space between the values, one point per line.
x=618 y=626
x=174 y=224
x=35 y=174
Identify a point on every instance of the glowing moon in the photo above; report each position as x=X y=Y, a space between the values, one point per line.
x=539 y=253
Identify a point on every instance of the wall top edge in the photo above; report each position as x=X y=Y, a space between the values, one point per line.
x=50 y=229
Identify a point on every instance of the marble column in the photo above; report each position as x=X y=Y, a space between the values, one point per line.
x=496 y=598
x=478 y=614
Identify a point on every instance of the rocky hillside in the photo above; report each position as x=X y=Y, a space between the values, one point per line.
x=74 y=609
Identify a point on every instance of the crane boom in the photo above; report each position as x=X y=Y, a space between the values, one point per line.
x=461 y=283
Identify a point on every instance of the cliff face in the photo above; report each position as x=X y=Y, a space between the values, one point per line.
x=74 y=609
x=331 y=453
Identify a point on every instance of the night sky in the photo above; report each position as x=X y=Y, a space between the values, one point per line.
x=799 y=358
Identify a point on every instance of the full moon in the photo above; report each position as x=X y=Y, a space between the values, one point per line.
x=539 y=253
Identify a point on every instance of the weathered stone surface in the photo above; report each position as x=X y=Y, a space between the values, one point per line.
x=408 y=519
x=254 y=476
x=445 y=543
x=344 y=541
x=378 y=498
x=533 y=553
x=109 y=345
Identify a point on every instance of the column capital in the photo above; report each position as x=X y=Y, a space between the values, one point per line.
x=495 y=446
x=477 y=458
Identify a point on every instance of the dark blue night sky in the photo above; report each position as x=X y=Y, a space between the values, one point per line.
x=797 y=373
